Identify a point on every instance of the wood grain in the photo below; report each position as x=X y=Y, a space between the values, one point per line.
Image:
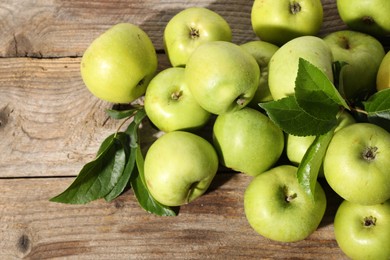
x=50 y=124
x=212 y=227
x=57 y=28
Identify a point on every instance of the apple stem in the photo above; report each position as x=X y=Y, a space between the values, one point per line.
x=369 y=153
x=141 y=82
x=191 y=191
x=176 y=95
x=194 y=33
x=288 y=197
x=295 y=7
x=291 y=197
x=240 y=101
x=368 y=20
x=369 y=221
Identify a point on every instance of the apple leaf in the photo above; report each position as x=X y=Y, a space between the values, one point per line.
x=378 y=105
x=120 y=114
x=291 y=118
x=142 y=193
x=99 y=176
x=315 y=93
x=311 y=162
x=132 y=132
x=377 y=108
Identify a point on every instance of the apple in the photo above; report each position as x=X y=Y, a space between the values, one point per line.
x=222 y=76
x=247 y=141
x=283 y=66
x=356 y=164
x=369 y=16
x=296 y=146
x=262 y=51
x=280 y=21
x=363 y=54
x=170 y=105
x=278 y=208
x=118 y=65
x=179 y=167
x=190 y=28
x=383 y=74
x=363 y=232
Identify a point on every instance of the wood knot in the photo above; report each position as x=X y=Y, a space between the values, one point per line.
x=24 y=244
x=118 y=204
x=4 y=115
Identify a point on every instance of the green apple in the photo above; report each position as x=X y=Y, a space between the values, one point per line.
x=222 y=76
x=296 y=146
x=363 y=232
x=262 y=51
x=356 y=164
x=190 y=28
x=278 y=208
x=170 y=105
x=383 y=74
x=280 y=21
x=363 y=54
x=368 y=16
x=179 y=167
x=119 y=64
x=283 y=66
x=247 y=141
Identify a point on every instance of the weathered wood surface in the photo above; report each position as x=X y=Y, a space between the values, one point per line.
x=212 y=227
x=50 y=125
x=55 y=28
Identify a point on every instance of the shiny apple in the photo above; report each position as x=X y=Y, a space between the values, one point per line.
x=170 y=105
x=118 y=65
x=190 y=28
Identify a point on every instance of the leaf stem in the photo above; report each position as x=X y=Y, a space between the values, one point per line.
x=124 y=121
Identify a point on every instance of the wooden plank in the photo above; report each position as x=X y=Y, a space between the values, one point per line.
x=212 y=227
x=66 y=28
x=50 y=124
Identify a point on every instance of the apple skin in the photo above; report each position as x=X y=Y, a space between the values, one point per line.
x=280 y=21
x=357 y=236
x=170 y=105
x=277 y=208
x=283 y=66
x=222 y=76
x=118 y=65
x=179 y=167
x=363 y=54
x=383 y=74
x=356 y=164
x=262 y=51
x=296 y=146
x=247 y=141
x=190 y=28
x=368 y=16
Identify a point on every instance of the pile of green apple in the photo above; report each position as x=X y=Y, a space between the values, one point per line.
x=215 y=81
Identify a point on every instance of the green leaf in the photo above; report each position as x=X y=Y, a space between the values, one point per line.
x=378 y=105
x=132 y=133
x=377 y=108
x=99 y=176
x=142 y=193
x=289 y=116
x=117 y=114
x=125 y=176
x=311 y=162
x=315 y=93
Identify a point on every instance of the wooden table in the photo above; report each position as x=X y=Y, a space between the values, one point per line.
x=50 y=126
